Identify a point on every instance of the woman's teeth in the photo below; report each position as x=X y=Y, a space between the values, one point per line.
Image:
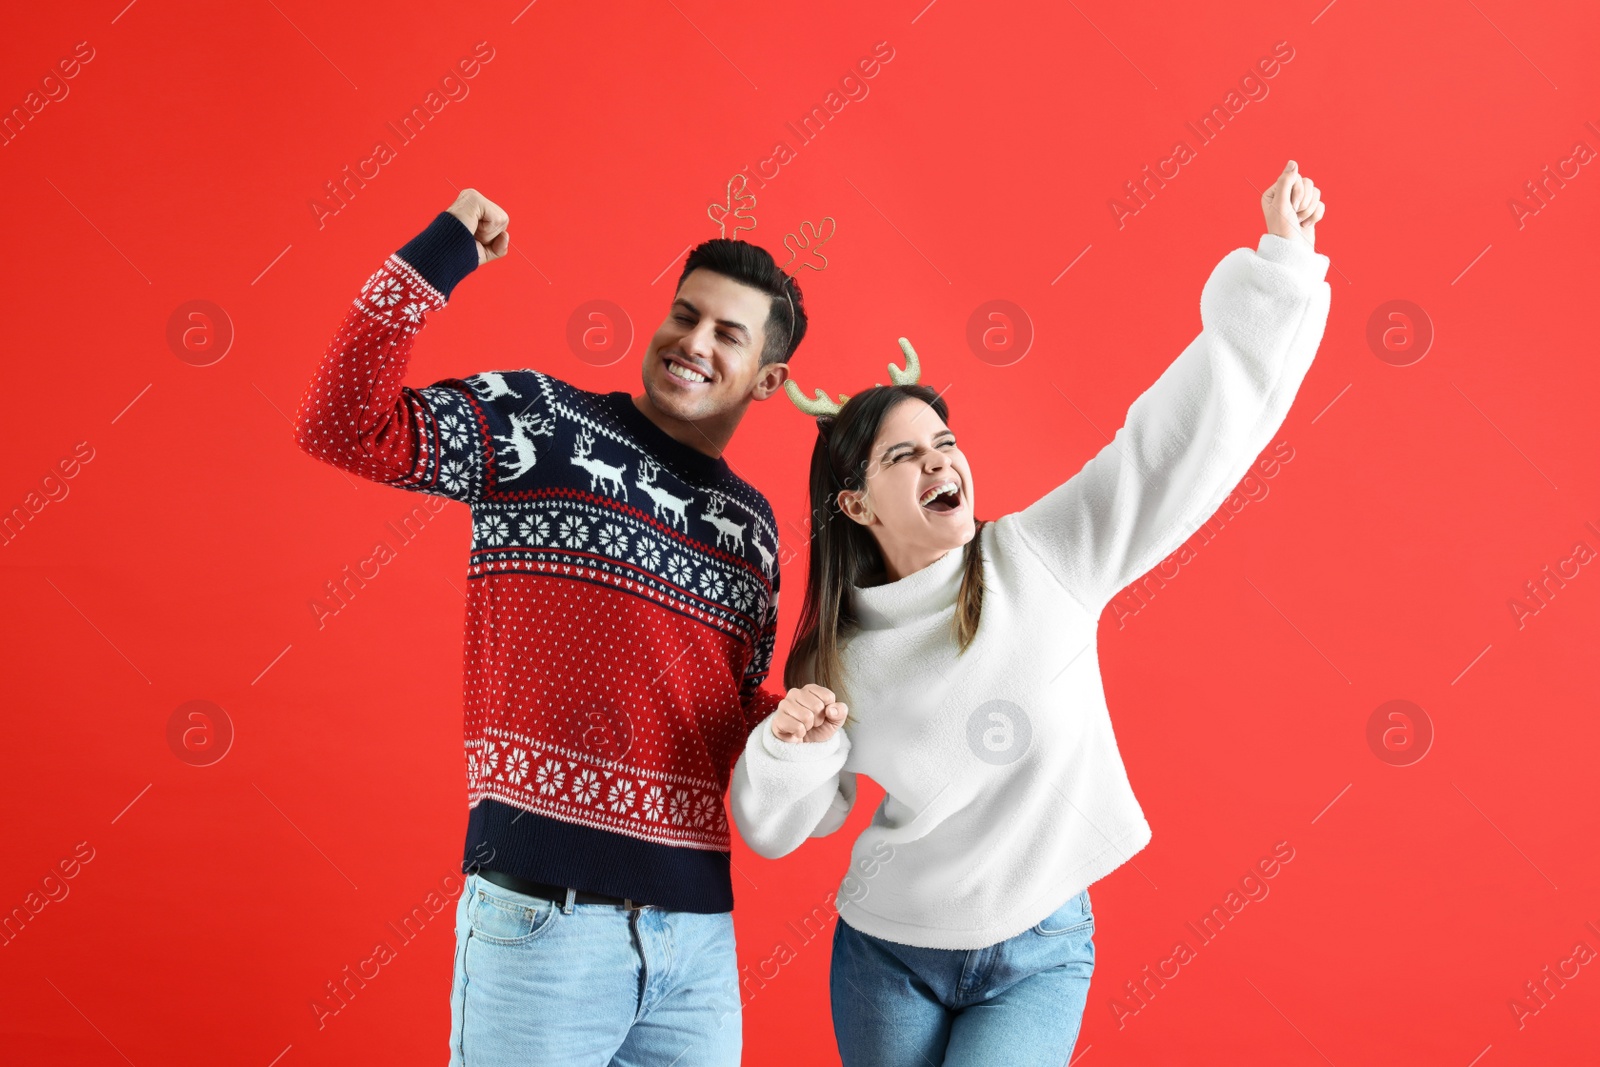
x=678 y=370
x=948 y=494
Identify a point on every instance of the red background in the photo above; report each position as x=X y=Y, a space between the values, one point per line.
x=183 y=560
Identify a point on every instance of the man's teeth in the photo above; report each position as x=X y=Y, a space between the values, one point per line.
x=934 y=493
x=678 y=370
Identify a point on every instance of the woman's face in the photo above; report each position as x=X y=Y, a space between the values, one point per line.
x=914 y=454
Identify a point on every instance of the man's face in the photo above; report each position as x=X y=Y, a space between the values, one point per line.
x=705 y=357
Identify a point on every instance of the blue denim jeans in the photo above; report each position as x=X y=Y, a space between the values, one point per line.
x=596 y=986
x=1018 y=1003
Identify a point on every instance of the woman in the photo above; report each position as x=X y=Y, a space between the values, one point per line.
x=953 y=662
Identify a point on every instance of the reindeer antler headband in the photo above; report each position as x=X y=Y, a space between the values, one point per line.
x=824 y=406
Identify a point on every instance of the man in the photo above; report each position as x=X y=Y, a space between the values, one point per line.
x=621 y=609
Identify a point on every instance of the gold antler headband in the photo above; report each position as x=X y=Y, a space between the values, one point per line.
x=824 y=406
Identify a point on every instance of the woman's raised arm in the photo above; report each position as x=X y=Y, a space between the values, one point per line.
x=1191 y=436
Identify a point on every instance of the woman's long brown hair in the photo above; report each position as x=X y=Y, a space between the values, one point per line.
x=843 y=552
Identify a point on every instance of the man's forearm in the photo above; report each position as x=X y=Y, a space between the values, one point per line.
x=443 y=254
x=356 y=412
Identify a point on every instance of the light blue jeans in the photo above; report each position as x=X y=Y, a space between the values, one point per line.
x=1018 y=1003
x=596 y=986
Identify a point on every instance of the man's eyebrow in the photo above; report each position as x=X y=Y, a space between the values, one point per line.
x=907 y=444
x=720 y=322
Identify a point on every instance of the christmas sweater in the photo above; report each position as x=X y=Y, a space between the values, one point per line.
x=622 y=596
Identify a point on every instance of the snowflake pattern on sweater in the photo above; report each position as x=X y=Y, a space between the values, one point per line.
x=623 y=589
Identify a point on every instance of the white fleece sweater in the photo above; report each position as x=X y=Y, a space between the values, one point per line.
x=1005 y=793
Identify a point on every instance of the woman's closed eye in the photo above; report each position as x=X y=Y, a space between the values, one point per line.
x=906 y=455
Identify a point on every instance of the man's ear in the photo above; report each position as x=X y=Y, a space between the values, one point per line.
x=769 y=380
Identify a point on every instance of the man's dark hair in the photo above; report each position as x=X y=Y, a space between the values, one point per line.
x=754 y=266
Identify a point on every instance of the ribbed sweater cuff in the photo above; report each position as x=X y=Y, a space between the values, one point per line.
x=1295 y=254
x=444 y=253
x=800 y=751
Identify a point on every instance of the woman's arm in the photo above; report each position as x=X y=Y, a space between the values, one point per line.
x=1190 y=437
x=786 y=791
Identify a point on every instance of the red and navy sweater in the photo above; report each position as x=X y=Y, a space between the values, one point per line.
x=622 y=596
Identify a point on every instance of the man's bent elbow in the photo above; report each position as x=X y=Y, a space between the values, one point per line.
x=324 y=438
x=311 y=438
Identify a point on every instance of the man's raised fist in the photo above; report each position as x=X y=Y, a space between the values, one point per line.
x=486 y=220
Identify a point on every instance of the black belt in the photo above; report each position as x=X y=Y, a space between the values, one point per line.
x=557 y=893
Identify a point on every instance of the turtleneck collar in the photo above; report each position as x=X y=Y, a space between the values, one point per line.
x=919 y=595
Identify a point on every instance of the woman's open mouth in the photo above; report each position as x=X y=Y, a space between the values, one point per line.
x=944 y=497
